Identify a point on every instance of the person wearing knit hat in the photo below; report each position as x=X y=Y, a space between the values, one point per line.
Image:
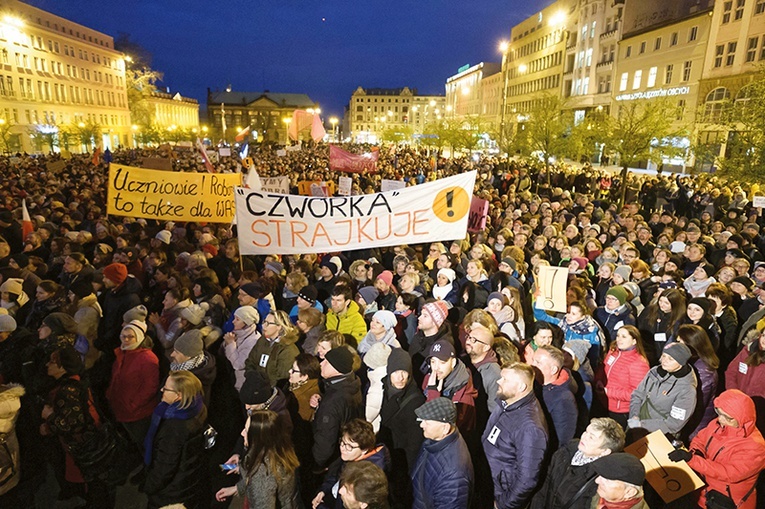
x=194 y=314
x=253 y=289
x=666 y=398
x=701 y=278
x=449 y=274
x=210 y=250
x=308 y=294
x=381 y=330
x=21 y=259
x=744 y=281
x=496 y=296
x=81 y=288
x=619 y=293
x=275 y=267
x=614 y=314
x=437 y=311
x=116 y=273
x=340 y=359
x=622 y=274
x=509 y=264
x=581 y=264
x=189 y=345
x=7 y=324
x=387 y=297
x=377 y=357
x=60 y=323
x=338 y=262
x=444 y=284
x=247 y=314
x=330 y=265
x=256 y=389
x=399 y=361
x=386 y=276
x=702 y=302
x=164 y=236
x=14 y=296
x=139 y=313
x=369 y=294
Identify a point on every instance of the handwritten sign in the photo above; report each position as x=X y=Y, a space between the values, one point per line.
x=277 y=185
x=157 y=163
x=758 y=202
x=304 y=187
x=478 y=210
x=670 y=480
x=391 y=185
x=345 y=184
x=164 y=195
x=552 y=288
x=289 y=224
x=224 y=151
x=281 y=152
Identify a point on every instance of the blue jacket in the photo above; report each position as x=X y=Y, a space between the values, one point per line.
x=562 y=411
x=515 y=441
x=443 y=475
x=612 y=322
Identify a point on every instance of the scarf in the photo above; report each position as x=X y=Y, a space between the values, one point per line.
x=189 y=364
x=165 y=411
x=624 y=504
x=440 y=292
x=580 y=459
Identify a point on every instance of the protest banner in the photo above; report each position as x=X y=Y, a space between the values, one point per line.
x=157 y=163
x=288 y=224
x=304 y=187
x=276 y=185
x=479 y=208
x=345 y=184
x=670 y=479
x=177 y=196
x=341 y=160
x=552 y=288
x=391 y=185
x=55 y=166
x=758 y=202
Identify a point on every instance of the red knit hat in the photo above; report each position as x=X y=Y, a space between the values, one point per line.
x=386 y=276
x=116 y=273
x=209 y=248
x=438 y=310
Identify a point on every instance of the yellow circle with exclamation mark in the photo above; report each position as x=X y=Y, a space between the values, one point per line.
x=451 y=204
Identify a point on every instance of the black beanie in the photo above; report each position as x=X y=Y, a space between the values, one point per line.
x=256 y=388
x=81 y=288
x=341 y=359
x=701 y=302
x=399 y=360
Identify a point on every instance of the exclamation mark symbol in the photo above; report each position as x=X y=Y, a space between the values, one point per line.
x=449 y=202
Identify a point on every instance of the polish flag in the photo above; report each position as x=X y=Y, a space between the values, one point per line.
x=96 y=156
x=26 y=222
x=205 y=159
x=241 y=135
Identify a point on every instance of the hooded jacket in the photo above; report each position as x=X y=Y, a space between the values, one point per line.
x=744 y=377
x=730 y=458
x=665 y=401
x=443 y=475
x=515 y=442
x=351 y=322
x=341 y=403
x=275 y=356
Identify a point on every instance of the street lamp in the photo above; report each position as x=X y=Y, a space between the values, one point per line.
x=287 y=121
x=504 y=47
x=333 y=121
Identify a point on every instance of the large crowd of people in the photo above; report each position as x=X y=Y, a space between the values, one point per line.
x=429 y=376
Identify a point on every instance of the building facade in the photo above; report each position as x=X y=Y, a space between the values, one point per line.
x=56 y=73
x=373 y=110
x=168 y=110
x=268 y=114
x=470 y=90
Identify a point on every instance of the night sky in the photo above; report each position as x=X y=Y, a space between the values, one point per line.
x=325 y=49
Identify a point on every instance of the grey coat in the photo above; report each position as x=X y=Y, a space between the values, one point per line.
x=264 y=492
x=668 y=399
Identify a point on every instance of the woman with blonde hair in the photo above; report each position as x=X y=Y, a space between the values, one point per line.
x=276 y=349
x=175 y=457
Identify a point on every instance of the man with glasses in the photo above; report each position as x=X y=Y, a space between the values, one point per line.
x=483 y=365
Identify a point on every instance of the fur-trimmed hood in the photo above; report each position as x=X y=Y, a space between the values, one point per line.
x=10 y=403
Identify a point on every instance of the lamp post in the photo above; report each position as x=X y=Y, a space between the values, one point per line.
x=503 y=47
x=286 y=121
x=333 y=121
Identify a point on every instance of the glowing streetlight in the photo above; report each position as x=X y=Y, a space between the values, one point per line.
x=204 y=129
x=557 y=19
x=81 y=125
x=448 y=108
x=2 y=121
x=465 y=90
x=13 y=21
x=504 y=46
x=333 y=121
x=432 y=102
x=522 y=68
x=128 y=58
x=134 y=127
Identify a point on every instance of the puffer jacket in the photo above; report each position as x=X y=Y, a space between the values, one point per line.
x=351 y=322
x=443 y=475
x=666 y=399
x=705 y=395
x=133 y=390
x=730 y=459
x=515 y=442
x=620 y=374
x=10 y=404
x=561 y=410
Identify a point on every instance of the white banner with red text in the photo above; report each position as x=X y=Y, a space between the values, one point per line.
x=271 y=223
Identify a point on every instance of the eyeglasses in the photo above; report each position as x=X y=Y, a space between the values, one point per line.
x=474 y=339
x=347 y=445
x=165 y=389
x=270 y=323
x=295 y=371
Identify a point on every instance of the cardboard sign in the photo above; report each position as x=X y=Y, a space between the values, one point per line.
x=391 y=185
x=281 y=152
x=304 y=187
x=213 y=155
x=552 y=288
x=670 y=479
x=758 y=202
x=224 y=151
x=14 y=160
x=276 y=185
x=177 y=196
x=345 y=186
x=479 y=208
x=157 y=163
x=55 y=166
x=289 y=224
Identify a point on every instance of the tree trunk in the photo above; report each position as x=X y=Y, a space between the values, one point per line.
x=623 y=176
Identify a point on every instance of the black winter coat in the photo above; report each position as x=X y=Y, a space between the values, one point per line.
x=115 y=303
x=340 y=403
x=564 y=480
x=399 y=428
x=178 y=470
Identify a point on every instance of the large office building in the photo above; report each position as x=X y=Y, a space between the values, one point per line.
x=266 y=113
x=55 y=73
x=173 y=110
x=373 y=110
x=474 y=91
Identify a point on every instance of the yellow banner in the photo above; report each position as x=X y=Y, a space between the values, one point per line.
x=166 y=195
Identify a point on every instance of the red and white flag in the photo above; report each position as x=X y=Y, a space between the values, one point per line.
x=302 y=120
x=205 y=159
x=342 y=160
x=26 y=222
x=241 y=135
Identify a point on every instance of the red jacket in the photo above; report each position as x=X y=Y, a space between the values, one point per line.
x=730 y=457
x=461 y=391
x=748 y=379
x=132 y=392
x=620 y=373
